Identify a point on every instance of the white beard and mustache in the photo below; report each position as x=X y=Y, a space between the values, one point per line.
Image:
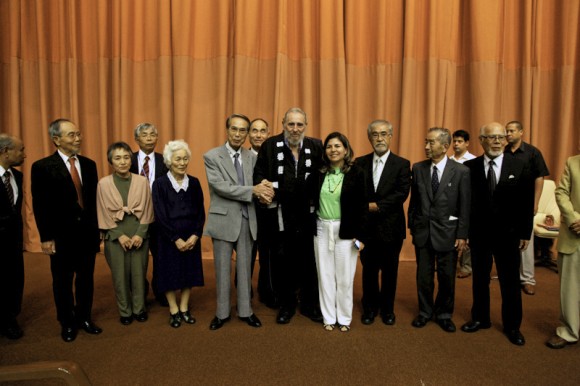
x=291 y=141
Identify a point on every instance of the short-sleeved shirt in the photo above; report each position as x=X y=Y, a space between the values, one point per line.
x=532 y=157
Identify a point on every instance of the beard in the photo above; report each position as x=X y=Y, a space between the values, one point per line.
x=291 y=140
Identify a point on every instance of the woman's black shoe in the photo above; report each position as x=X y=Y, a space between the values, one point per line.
x=175 y=320
x=187 y=318
x=126 y=320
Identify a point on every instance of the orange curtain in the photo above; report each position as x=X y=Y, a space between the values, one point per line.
x=185 y=65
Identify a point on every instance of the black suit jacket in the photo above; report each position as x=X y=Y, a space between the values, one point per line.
x=59 y=216
x=444 y=217
x=388 y=224
x=290 y=186
x=508 y=215
x=354 y=205
x=160 y=168
x=11 y=216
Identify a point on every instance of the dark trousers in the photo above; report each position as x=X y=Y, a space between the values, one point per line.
x=265 y=278
x=380 y=258
x=430 y=261
x=66 y=267
x=294 y=269
x=507 y=262
x=11 y=283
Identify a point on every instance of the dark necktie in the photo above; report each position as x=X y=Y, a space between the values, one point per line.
x=145 y=169
x=76 y=180
x=491 y=179
x=240 y=174
x=8 y=187
x=434 y=180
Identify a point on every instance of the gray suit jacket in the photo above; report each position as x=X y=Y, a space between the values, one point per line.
x=226 y=196
x=442 y=218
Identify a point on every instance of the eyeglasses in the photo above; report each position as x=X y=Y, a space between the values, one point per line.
x=239 y=130
x=382 y=134
x=148 y=135
x=493 y=138
x=73 y=135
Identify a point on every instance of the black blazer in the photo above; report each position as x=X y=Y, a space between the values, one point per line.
x=442 y=218
x=353 y=203
x=508 y=215
x=59 y=216
x=388 y=224
x=160 y=168
x=275 y=157
x=11 y=216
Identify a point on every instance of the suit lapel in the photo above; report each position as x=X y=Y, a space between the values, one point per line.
x=228 y=164
x=425 y=170
x=446 y=177
x=247 y=166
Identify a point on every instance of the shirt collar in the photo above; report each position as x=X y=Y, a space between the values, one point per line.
x=441 y=164
x=232 y=151
x=383 y=158
x=176 y=185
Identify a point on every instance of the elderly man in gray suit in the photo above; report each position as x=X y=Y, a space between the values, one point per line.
x=439 y=221
x=231 y=221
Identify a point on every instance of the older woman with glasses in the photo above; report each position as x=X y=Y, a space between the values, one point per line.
x=340 y=217
x=180 y=216
x=124 y=212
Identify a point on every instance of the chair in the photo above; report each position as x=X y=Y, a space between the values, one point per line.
x=547 y=207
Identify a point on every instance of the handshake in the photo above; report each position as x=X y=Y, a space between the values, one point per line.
x=264 y=192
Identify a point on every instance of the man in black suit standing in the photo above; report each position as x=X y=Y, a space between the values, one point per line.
x=286 y=160
x=11 y=262
x=439 y=223
x=388 y=180
x=149 y=163
x=502 y=207
x=64 y=188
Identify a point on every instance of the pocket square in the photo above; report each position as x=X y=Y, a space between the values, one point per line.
x=511 y=176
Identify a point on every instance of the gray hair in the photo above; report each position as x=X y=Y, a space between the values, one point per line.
x=294 y=110
x=6 y=142
x=443 y=136
x=144 y=126
x=172 y=147
x=54 y=127
x=379 y=122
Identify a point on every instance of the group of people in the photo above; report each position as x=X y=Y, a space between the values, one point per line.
x=308 y=208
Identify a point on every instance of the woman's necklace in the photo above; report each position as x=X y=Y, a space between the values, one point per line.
x=338 y=183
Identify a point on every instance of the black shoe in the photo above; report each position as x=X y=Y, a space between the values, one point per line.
x=420 y=321
x=126 y=320
x=474 y=326
x=368 y=317
x=90 y=327
x=186 y=317
x=217 y=323
x=252 y=320
x=68 y=334
x=315 y=315
x=175 y=319
x=447 y=325
x=284 y=316
x=516 y=337
x=141 y=317
x=388 y=319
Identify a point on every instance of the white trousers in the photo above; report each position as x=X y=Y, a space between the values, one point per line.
x=527 y=269
x=569 y=272
x=336 y=266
